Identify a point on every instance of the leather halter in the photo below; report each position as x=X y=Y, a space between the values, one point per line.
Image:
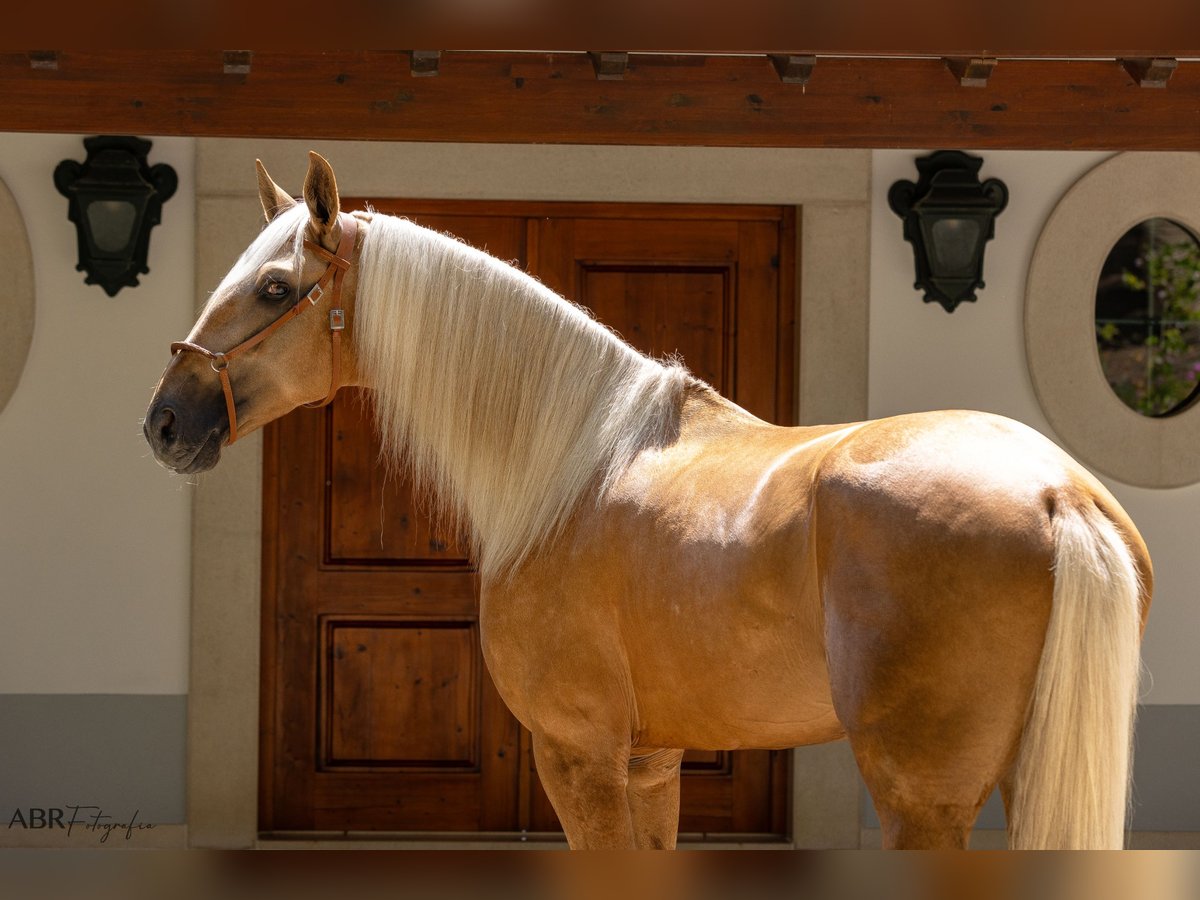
x=339 y=264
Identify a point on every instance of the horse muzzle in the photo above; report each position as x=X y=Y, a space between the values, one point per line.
x=182 y=440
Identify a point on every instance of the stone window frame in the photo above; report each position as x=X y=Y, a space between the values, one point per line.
x=16 y=325
x=1060 y=308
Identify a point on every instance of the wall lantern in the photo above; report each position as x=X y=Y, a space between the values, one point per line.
x=116 y=198
x=948 y=217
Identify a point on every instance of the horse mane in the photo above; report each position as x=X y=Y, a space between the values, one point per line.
x=500 y=397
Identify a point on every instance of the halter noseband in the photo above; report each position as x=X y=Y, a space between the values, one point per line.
x=339 y=264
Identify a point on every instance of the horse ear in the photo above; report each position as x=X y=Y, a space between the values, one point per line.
x=274 y=199
x=321 y=195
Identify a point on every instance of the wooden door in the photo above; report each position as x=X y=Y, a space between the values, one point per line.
x=378 y=713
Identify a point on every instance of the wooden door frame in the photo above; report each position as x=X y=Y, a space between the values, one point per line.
x=831 y=190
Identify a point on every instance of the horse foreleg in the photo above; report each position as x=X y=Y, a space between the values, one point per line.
x=654 y=799
x=586 y=783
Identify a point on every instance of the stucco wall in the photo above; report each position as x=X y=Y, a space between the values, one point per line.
x=93 y=546
x=94 y=538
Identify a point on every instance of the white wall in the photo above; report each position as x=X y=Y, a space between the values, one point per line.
x=922 y=358
x=94 y=537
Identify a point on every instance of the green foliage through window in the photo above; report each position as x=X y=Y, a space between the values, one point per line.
x=1148 y=317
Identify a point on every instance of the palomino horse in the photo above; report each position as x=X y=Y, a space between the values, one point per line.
x=661 y=570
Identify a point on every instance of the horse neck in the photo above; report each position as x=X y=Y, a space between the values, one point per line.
x=504 y=400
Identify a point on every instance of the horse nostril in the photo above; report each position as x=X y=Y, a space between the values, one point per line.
x=166 y=425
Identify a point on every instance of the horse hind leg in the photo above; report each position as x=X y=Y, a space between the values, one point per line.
x=927 y=796
x=653 y=792
x=931 y=758
x=934 y=714
x=919 y=824
x=933 y=645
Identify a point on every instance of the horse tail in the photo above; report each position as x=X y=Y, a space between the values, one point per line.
x=1071 y=784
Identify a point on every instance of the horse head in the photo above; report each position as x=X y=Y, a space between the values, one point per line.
x=270 y=337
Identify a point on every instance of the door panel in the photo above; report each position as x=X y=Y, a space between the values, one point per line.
x=581 y=258
x=646 y=306
x=378 y=713
x=400 y=693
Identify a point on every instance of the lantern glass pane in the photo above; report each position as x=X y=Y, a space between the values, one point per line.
x=111 y=224
x=1148 y=317
x=953 y=246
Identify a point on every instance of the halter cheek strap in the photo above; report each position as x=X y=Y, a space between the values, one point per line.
x=330 y=282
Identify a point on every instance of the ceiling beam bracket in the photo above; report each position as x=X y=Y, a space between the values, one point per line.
x=609 y=65
x=236 y=62
x=971 y=71
x=43 y=59
x=424 y=63
x=793 y=68
x=1151 y=73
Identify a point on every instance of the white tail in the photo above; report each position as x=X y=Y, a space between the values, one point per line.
x=1071 y=785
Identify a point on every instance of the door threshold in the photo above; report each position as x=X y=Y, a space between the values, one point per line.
x=484 y=840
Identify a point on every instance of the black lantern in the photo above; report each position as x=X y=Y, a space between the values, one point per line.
x=116 y=198
x=948 y=217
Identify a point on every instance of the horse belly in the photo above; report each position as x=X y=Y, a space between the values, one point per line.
x=721 y=663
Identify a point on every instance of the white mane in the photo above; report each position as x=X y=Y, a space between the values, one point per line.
x=506 y=400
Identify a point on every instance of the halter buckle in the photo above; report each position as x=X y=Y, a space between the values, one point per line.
x=315 y=295
x=337 y=320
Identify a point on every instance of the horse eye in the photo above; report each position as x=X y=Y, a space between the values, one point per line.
x=276 y=290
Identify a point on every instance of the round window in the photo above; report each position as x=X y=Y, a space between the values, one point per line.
x=1148 y=317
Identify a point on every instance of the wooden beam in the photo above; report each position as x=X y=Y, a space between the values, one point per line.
x=1151 y=73
x=526 y=97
